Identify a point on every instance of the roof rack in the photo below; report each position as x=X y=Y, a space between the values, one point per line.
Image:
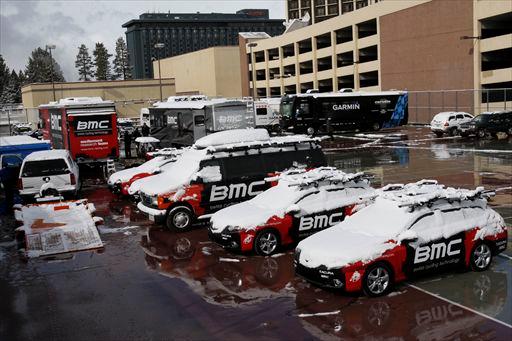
x=273 y=142
x=428 y=192
x=328 y=175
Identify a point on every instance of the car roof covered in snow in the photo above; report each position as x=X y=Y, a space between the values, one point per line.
x=19 y=140
x=47 y=155
x=79 y=102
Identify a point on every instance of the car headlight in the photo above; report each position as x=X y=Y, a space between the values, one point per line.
x=234 y=228
x=154 y=200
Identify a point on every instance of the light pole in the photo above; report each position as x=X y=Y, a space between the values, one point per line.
x=158 y=47
x=253 y=72
x=51 y=47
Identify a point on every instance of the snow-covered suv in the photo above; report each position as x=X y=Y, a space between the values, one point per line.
x=448 y=122
x=409 y=230
x=301 y=204
x=221 y=169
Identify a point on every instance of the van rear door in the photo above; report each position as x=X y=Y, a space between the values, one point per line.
x=38 y=172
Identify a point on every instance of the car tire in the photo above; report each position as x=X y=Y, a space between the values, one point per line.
x=310 y=131
x=377 y=280
x=453 y=132
x=481 y=133
x=481 y=257
x=509 y=132
x=463 y=134
x=376 y=126
x=439 y=134
x=179 y=218
x=267 y=242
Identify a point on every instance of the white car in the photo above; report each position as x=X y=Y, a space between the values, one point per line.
x=410 y=230
x=448 y=122
x=44 y=171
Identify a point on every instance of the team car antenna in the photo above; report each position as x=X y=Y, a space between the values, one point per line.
x=410 y=230
x=302 y=203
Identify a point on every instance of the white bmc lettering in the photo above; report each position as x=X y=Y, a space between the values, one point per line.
x=318 y=221
x=234 y=191
x=350 y=106
x=436 y=251
x=92 y=125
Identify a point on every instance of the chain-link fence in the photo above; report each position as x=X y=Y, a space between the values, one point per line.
x=424 y=105
x=11 y=114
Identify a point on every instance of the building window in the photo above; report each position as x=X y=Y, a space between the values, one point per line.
x=346 y=82
x=367 y=28
x=323 y=41
x=367 y=79
x=306 y=67
x=368 y=54
x=347 y=6
x=345 y=59
x=324 y=63
x=344 y=35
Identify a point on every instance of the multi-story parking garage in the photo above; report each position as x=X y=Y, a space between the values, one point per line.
x=380 y=45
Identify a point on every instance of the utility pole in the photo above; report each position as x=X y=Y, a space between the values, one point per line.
x=51 y=47
x=253 y=72
x=158 y=47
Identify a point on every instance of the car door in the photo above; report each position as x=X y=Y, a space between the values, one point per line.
x=459 y=119
x=435 y=248
x=316 y=213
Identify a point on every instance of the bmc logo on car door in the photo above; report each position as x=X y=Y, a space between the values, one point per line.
x=437 y=254
x=305 y=226
x=220 y=195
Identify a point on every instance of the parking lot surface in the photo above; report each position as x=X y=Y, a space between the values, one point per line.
x=148 y=283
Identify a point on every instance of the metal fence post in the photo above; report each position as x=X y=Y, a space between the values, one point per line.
x=487 y=99
x=429 y=107
x=442 y=100
x=505 y=99
x=456 y=101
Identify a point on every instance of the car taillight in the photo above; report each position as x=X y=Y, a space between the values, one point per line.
x=73 y=179
x=20 y=184
x=446 y=124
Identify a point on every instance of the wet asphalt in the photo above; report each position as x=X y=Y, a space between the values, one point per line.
x=151 y=284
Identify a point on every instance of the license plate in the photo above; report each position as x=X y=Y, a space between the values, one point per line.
x=152 y=218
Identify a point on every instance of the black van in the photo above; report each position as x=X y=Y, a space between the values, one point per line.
x=488 y=123
x=205 y=180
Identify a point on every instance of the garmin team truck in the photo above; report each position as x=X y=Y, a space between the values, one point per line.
x=85 y=126
x=335 y=112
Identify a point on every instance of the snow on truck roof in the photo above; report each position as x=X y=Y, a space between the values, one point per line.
x=351 y=94
x=193 y=104
x=78 y=102
x=19 y=140
x=47 y=155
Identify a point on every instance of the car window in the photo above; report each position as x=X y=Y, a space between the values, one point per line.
x=261 y=111
x=468 y=116
x=244 y=166
x=11 y=160
x=451 y=118
x=211 y=171
x=424 y=223
x=277 y=162
x=199 y=120
x=44 y=167
x=459 y=116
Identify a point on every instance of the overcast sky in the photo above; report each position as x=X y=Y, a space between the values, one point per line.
x=26 y=25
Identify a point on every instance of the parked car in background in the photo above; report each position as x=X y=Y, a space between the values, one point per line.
x=488 y=123
x=49 y=171
x=301 y=204
x=448 y=122
x=410 y=230
x=21 y=129
x=125 y=125
x=221 y=169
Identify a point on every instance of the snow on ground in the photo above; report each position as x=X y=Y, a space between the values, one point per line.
x=109 y=230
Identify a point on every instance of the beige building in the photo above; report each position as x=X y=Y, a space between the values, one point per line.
x=214 y=72
x=416 y=45
x=130 y=95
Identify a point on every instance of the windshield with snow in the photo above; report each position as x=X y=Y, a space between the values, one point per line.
x=277 y=198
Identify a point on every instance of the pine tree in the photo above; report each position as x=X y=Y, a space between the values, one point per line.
x=4 y=74
x=84 y=64
x=121 y=65
x=39 y=68
x=101 y=62
x=11 y=91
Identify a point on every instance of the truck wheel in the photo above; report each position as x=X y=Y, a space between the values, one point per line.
x=377 y=280
x=310 y=131
x=439 y=134
x=179 y=218
x=266 y=242
x=481 y=257
x=376 y=126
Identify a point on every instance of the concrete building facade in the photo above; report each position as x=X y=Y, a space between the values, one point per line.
x=187 y=32
x=129 y=95
x=415 y=45
x=214 y=72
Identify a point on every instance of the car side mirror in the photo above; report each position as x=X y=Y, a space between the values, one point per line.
x=293 y=209
x=157 y=170
x=407 y=236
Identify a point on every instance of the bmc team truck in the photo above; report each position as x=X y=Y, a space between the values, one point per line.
x=334 y=112
x=86 y=126
x=182 y=120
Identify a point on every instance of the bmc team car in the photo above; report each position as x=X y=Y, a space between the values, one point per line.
x=302 y=203
x=221 y=169
x=410 y=230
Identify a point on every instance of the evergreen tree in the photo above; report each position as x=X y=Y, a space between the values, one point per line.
x=39 y=68
x=121 y=65
x=11 y=92
x=84 y=64
x=101 y=62
x=4 y=74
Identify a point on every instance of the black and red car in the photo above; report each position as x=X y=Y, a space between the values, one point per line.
x=302 y=203
x=408 y=231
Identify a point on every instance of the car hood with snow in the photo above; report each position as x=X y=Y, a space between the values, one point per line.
x=373 y=230
x=147 y=167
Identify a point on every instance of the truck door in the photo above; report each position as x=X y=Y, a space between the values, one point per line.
x=199 y=125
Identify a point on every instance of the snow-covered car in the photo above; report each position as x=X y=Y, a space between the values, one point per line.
x=222 y=169
x=301 y=204
x=448 y=122
x=48 y=170
x=119 y=182
x=409 y=230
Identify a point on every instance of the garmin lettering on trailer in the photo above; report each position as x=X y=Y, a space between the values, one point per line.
x=346 y=106
x=92 y=125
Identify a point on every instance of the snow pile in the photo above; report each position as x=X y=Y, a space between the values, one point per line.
x=58 y=227
x=209 y=174
x=377 y=228
x=147 y=167
x=232 y=136
x=146 y=139
x=322 y=189
x=167 y=152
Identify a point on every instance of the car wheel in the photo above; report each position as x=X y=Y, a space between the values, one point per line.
x=461 y=133
x=377 y=280
x=311 y=131
x=509 y=132
x=179 y=218
x=481 y=133
x=481 y=257
x=453 y=132
x=439 y=134
x=376 y=126
x=266 y=243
